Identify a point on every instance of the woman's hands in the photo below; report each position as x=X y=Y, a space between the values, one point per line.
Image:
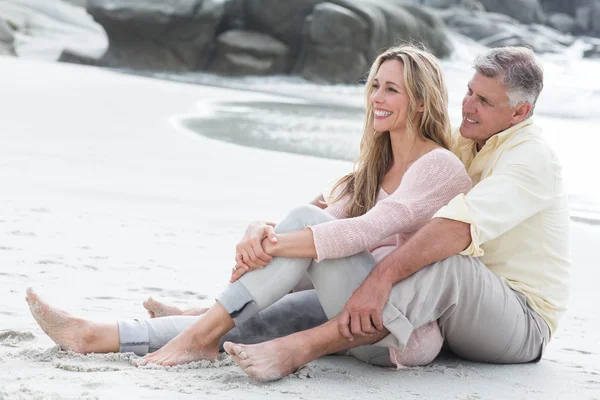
x=250 y=253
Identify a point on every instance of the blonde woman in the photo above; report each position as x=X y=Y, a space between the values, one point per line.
x=403 y=175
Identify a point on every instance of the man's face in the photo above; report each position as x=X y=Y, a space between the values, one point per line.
x=485 y=109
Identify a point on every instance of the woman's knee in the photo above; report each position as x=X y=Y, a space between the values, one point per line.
x=302 y=216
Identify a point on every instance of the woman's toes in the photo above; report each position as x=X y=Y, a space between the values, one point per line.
x=234 y=350
x=228 y=347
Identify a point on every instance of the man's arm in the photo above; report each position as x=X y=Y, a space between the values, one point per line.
x=439 y=239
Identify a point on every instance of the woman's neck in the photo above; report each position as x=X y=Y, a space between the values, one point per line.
x=407 y=149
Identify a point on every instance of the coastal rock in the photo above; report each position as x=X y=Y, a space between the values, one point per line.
x=478 y=25
x=469 y=4
x=333 y=25
x=249 y=53
x=74 y=58
x=283 y=20
x=582 y=18
x=564 y=7
x=562 y=22
x=552 y=35
x=336 y=45
x=343 y=37
x=594 y=52
x=80 y=3
x=526 y=11
x=6 y=39
x=43 y=29
x=177 y=35
x=438 y=3
x=496 y=30
x=595 y=18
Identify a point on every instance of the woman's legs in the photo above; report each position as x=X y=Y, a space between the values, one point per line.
x=237 y=303
x=72 y=333
x=201 y=338
x=158 y=309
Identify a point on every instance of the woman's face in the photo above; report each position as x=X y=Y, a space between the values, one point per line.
x=389 y=98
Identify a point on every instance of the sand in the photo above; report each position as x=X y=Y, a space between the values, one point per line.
x=107 y=200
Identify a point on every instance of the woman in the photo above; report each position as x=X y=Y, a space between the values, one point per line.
x=403 y=175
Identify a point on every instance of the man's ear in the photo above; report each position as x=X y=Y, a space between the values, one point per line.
x=521 y=112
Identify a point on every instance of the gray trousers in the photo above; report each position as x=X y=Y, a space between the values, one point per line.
x=480 y=317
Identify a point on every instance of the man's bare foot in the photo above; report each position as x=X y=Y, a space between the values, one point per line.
x=69 y=332
x=156 y=309
x=266 y=361
x=182 y=349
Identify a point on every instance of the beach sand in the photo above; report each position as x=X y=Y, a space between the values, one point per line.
x=106 y=200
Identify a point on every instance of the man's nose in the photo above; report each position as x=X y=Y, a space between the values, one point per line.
x=468 y=105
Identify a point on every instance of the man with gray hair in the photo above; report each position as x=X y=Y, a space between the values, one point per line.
x=493 y=266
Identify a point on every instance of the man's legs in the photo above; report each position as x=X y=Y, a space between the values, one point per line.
x=277 y=358
x=482 y=318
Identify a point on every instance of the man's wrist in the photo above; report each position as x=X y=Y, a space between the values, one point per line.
x=385 y=274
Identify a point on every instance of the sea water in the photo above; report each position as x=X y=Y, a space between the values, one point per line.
x=326 y=120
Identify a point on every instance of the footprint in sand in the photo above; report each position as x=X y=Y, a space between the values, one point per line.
x=13 y=338
x=587 y=353
x=77 y=367
x=48 y=262
x=6 y=248
x=13 y=275
x=40 y=210
x=19 y=233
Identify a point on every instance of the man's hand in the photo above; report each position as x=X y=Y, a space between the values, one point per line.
x=249 y=253
x=362 y=313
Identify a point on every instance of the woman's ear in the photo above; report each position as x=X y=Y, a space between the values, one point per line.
x=421 y=107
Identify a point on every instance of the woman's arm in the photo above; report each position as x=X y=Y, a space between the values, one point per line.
x=427 y=186
x=252 y=253
x=297 y=244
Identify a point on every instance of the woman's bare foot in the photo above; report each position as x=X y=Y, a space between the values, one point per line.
x=156 y=309
x=72 y=333
x=268 y=361
x=182 y=349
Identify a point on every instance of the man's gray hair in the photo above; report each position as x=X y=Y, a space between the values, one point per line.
x=518 y=69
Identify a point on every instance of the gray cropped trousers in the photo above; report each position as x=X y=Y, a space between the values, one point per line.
x=481 y=318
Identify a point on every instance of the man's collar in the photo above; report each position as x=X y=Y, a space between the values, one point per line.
x=496 y=140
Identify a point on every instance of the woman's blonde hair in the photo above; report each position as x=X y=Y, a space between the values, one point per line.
x=424 y=85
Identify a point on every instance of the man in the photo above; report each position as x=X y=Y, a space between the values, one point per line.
x=501 y=298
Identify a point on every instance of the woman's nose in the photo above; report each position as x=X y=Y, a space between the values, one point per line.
x=376 y=96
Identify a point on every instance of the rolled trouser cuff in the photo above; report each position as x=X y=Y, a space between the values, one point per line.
x=133 y=337
x=399 y=326
x=238 y=302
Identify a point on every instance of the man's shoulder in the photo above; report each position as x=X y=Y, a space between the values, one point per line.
x=529 y=146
